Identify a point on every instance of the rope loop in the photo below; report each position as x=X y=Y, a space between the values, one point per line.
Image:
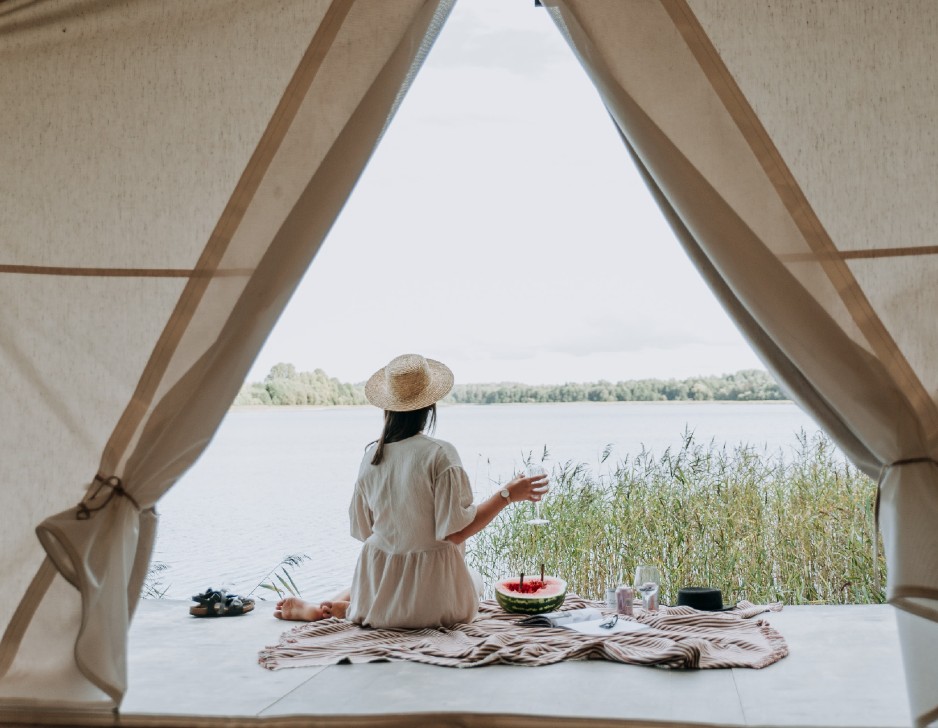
x=882 y=474
x=116 y=486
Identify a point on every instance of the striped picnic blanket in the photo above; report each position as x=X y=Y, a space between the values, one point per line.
x=678 y=637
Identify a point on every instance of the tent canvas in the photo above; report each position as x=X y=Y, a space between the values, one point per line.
x=171 y=169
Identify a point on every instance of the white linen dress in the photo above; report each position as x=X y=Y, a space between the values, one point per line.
x=408 y=575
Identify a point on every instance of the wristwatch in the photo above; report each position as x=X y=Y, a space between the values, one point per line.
x=505 y=494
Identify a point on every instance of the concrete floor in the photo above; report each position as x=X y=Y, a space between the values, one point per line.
x=844 y=670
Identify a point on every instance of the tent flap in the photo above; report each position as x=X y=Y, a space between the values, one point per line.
x=785 y=144
x=172 y=171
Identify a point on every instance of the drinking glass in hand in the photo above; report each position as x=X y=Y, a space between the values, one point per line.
x=531 y=471
x=647 y=583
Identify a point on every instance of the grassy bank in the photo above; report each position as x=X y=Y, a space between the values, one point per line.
x=755 y=525
x=284 y=385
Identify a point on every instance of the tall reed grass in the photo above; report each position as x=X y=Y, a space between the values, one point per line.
x=759 y=526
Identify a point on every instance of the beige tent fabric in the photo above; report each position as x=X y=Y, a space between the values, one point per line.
x=793 y=148
x=170 y=170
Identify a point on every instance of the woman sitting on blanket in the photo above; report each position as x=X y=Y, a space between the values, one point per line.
x=412 y=507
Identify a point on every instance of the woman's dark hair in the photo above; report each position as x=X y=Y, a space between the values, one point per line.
x=401 y=425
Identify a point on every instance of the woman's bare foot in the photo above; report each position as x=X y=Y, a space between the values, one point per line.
x=299 y=610
x=335 y=609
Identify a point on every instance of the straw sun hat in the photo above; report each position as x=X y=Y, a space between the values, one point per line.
x=409 y=382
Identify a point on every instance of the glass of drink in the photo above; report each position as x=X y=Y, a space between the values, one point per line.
x=530 y=471
x=647 y=584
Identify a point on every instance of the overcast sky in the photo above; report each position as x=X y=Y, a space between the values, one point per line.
x=501 y=228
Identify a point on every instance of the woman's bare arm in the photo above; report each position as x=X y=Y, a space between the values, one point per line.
x=522 y=488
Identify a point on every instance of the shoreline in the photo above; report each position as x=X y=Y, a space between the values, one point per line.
x=657 y=402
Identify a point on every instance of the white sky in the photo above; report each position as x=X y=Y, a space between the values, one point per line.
x=501 y=228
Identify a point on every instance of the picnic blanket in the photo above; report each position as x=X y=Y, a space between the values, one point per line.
x=678 y=637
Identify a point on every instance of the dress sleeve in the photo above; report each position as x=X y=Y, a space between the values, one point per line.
x=452 y=497
x=360 y=516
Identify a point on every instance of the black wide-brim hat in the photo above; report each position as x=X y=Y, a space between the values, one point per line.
x=702 y=598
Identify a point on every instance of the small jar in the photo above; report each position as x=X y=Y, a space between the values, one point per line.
x=624 y=596
x=611 y=597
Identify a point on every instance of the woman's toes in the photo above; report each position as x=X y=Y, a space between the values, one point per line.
x=284 y=609
x=334 y=609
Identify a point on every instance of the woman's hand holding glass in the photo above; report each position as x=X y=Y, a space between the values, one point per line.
x=530 y=486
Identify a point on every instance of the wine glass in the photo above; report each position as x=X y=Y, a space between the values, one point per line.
x=647 y=583
x=531 y=470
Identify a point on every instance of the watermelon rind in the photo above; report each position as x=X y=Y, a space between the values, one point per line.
x=527 y=604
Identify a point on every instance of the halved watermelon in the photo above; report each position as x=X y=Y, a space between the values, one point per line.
x=533 y=596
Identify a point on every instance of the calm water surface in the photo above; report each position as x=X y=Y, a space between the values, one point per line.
x=278 y=481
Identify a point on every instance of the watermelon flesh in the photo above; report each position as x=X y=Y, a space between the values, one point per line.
x=532 y=596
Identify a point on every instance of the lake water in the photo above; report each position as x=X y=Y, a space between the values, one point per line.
x=277 y=481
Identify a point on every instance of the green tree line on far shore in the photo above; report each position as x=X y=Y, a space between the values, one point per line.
x=284 y=385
